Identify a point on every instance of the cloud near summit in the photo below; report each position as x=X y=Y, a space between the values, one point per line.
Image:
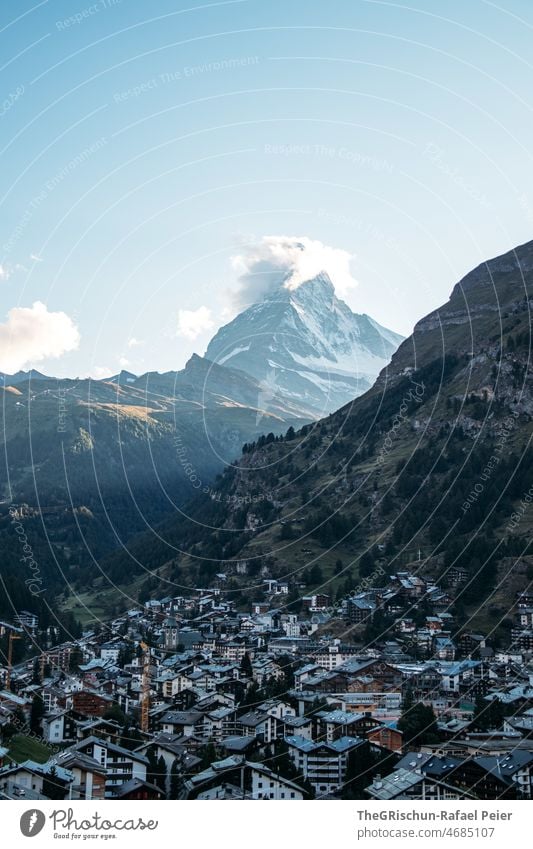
x=288 y=261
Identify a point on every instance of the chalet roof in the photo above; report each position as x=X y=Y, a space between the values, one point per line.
x=7 y=696
x=521 y=723
x=304 y=670
x=355 y=664
x=70 y=760
x=238 y=744
x=134 y=784
x=362 y=604
x=233 y=761
x=438 y=767
x=340 y=717
x=343 y=744
x=105 y=744
x=183 y=717
x=457 y=667
x=221 y=713
x=395 y=784
x=253 y=718
x=506 y=766
x=40 y=769
x=297 y=721
x=95 y=663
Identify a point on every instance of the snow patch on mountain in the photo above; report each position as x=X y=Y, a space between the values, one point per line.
x=233 y=353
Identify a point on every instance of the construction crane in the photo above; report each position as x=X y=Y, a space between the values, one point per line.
x=12 y=636
x=145 y=688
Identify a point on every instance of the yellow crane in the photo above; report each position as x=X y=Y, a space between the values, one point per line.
x=12 y=636
x=145 y=688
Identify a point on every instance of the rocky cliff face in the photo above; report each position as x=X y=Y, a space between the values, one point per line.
x=482 y=308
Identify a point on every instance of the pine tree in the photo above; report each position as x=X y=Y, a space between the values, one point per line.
x=359 y=772
x=246 y=666
x=176 y=780
x=161 y=773
x=151 y=772
x=419 y=724
x=115 y=712
x=36 y=673
x=36 y=714
x=53 y=788
x=208 y=753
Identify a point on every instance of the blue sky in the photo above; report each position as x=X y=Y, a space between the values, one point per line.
x=144 y=145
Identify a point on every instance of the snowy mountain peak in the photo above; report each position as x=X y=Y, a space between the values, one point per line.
x=319 y=287
x=306 y=343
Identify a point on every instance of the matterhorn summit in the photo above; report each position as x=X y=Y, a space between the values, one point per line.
x=305 y=343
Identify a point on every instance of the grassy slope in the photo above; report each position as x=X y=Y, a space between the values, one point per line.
x=23 y=748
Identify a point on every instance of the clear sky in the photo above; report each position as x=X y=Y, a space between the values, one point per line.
x=145 y=144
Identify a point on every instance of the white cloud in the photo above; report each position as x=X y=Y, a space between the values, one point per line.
x=228 y=312
x=192 y=323
x=288 y=261
x=32 y=334
x=134 y=343
x=123 y=362
x=4 y=273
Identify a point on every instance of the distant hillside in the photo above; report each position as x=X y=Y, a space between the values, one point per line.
x=89 y=462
